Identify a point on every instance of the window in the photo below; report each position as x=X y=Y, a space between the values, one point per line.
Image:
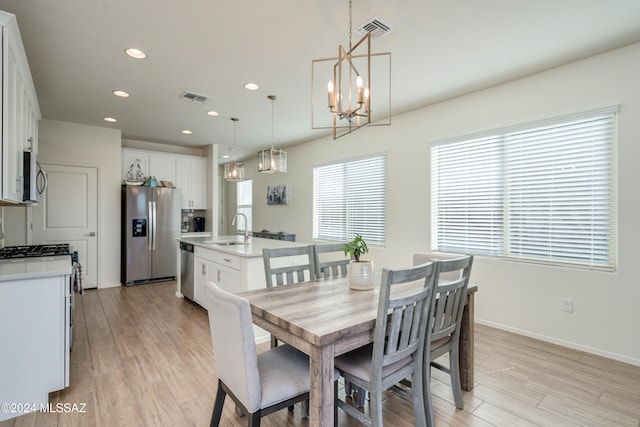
x=244 y=200
x=543 y=192
x=349 y=198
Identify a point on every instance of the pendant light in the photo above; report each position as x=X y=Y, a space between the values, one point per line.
x=349 y=89
x=234 y=171
x=348 y=101
x=272 y=160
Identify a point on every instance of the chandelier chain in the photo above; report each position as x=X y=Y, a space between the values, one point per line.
x=235 y=122
x=273 y=132
x=350 y=16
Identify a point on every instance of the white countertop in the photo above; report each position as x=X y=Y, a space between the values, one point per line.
x=252 y=248
x=195 y=234
x=30 y=268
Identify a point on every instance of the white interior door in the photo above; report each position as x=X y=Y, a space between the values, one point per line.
x=68 y=213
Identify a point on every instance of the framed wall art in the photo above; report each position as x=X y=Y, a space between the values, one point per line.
x=278 y=194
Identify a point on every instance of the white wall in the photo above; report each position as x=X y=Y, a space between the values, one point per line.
x=96 y=146
x=524 y=298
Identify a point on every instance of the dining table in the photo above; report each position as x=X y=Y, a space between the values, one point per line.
x=325 y=318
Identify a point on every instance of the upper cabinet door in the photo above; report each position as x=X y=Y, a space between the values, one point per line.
x=135 y=165
x=191 y=178
x=199 y=182
x=183 y=181
x=163 y=167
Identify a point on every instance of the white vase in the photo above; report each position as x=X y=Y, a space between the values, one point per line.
x=361 y=275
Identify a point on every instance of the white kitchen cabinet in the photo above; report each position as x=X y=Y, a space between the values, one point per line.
x=20 y=111
x=138 y=165
x=188 y=173
x=221 y=268
x=35 y=315
x=191 y=178
x=135 y=164
x=235 y=268
x=163 y=167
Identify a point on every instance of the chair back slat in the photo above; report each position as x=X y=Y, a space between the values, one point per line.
x=330 y=260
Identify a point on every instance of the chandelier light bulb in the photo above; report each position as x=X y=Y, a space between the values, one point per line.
x=331 y=95
x=360 y=94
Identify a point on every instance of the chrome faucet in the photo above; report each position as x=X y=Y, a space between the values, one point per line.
x=233 y=222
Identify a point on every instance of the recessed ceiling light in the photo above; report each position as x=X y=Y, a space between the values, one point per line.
x=225 y=156
x=251 y=86
x=135 y=53
x=213 y=113
x=121 y=93
x=110 y=119
x=187 y=132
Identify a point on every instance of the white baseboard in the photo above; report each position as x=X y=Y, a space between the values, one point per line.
x=109 y=285
x=568 y=344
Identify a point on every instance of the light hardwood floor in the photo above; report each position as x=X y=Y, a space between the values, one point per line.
x=142 y=357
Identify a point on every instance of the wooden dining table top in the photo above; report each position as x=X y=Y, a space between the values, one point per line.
x=319 y=311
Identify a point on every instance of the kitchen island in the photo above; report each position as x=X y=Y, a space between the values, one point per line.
x=231 y=263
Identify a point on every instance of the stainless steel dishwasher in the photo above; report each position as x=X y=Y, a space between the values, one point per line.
x=186 y=270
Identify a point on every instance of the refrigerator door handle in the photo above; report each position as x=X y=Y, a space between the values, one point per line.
x=155 y=226
x=151 y=225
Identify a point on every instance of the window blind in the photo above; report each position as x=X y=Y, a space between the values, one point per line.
x=349 y=198
x=543 y=192
x=244 y=202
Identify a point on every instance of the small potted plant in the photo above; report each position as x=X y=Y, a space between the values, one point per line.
x=361 y=274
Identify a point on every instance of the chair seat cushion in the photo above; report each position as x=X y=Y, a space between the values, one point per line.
x=357 y=363
x=284 y=373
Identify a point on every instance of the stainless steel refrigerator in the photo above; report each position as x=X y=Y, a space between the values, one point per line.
x=150 y=227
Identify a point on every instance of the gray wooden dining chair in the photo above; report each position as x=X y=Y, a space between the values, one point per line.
x=285 y=266
x=330 y=260
x=398 y=345
x=260 y=384
x=444 y=334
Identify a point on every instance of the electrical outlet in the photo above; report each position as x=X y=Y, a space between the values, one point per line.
x=567 y=305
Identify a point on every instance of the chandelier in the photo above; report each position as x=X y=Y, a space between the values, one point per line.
x=234 y=171
x=272 y=160
x=349 y=92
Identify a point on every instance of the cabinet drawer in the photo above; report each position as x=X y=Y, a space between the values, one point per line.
x=222 y=258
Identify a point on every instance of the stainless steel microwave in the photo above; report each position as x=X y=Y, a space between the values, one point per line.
x=29 y=177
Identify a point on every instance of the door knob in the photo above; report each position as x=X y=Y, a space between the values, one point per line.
x=92 y=234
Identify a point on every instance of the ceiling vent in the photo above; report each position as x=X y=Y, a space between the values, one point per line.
x=194 y=97
x=376 y=27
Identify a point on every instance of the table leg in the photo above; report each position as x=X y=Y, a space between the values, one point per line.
x=321 y=393
x=465 y=354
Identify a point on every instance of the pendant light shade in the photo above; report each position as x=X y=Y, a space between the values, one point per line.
x=234 y=171
x=272 y=160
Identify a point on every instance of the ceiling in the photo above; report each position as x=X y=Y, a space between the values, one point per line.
x=440 y=49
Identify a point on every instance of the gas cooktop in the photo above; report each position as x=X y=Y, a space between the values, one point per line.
x=28 y=251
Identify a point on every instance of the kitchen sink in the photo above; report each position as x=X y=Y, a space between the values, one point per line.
x=225 y=242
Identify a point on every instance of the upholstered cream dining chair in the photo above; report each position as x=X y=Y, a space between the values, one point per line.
x=259 y=384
